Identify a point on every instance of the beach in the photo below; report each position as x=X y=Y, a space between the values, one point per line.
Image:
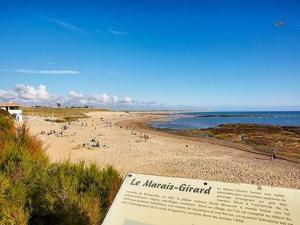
x=124 y=141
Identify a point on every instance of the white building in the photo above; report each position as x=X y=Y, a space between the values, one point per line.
x=13 y=108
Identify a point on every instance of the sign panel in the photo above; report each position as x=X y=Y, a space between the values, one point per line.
x=155 y=200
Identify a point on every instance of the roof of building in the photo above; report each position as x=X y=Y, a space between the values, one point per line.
x=3 y=104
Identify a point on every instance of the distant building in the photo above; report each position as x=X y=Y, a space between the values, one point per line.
x=13 y=109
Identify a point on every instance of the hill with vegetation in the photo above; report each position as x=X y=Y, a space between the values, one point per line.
x=60 y=115
x=35 y=191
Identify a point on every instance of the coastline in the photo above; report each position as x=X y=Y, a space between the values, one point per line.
x=142 y=124
x=162 y=153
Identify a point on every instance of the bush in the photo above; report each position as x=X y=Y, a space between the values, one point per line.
x=35 y=191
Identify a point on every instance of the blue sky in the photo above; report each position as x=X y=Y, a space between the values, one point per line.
x=186 y=54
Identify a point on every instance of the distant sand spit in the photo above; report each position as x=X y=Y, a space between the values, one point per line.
x=141 y=150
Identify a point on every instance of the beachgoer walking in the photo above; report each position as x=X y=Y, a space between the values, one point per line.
x=273 y=154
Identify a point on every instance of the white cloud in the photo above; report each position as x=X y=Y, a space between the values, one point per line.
x=147 y=102
x=68 y=26
x=126 y=100
x=114 y=99
x=102 y=98
x=76 y=98
x=47 y=71
x=74 y=94
x=9 y=94
x=31 y=95
x=30 y=92
x=114 y=32
x=83 y=101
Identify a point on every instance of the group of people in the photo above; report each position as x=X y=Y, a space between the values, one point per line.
x=53 y=132
x=138 y=134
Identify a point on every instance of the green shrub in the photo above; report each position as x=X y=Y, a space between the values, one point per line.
x=35 y=191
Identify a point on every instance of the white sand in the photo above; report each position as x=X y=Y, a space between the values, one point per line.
x=160 y=154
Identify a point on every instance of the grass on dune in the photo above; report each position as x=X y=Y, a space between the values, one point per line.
x=35 y=191
x=60 y=115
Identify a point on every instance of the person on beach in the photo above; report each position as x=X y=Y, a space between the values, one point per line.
x=273 y=154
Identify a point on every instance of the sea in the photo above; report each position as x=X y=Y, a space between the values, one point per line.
x=199 y=120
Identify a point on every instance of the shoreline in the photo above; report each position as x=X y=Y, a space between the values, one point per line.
x=141 y=124
x=162 y=153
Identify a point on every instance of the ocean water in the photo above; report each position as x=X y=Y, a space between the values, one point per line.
x=198 y=120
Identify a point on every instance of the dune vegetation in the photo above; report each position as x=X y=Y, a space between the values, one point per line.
x=59 y=115
x=35 y=191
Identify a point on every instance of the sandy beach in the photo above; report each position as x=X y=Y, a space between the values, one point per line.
x=142 y=150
